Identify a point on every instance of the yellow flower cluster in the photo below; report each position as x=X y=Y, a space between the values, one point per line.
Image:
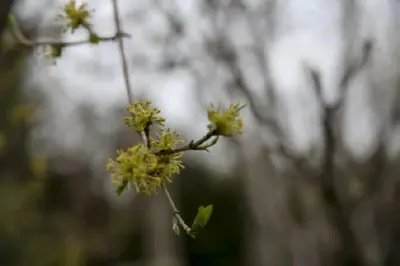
x=139 y=167
x=146 y=167
x=142 y=116
x=167 y=140
x=226 y=122
x=76 y=15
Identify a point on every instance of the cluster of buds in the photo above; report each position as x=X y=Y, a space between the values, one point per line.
x=146 y=167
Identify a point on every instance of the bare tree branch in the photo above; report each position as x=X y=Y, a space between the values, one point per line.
x=177 y=215
x=224 y=52
x=351 y=250
x=352 y=70
x=124 y=64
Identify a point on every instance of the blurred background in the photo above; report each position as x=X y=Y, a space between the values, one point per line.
x=314 y=180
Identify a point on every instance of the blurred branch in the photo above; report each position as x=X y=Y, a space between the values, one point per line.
x=27 y=43
x=124 y=63
x=352 y=254
x=352 y=70
x=194 y=145
x=222 y=49
x=259 y=50
x=5 y=8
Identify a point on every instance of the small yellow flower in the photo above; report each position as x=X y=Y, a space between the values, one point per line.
x=76 y=15
x=226 y=122
x=167 y=140
x=142 y=169
x=170 y=165
x=135 y=166
x=143 y=115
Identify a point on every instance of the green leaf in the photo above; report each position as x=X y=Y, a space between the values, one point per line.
x=202 y=217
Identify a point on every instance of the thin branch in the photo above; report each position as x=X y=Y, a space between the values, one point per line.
x=146 y=133
x=352 y=70
x=198 y=145
x=177 y=215
x=268 y=121
x=124 y=63
x=262 y=55
x=225 y=52
x=31 y=44
x=193 y=145
x=352 y=253
x=27 y=43
x=351 y=248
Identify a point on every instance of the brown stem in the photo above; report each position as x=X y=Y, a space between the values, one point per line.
x=27 y=43
x=176 y=214
x=193 y=145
